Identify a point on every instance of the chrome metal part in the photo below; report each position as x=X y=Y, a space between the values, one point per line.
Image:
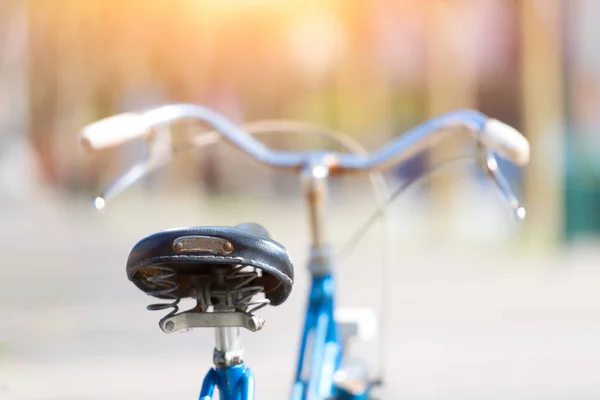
x=315 y=176
x=164 y=115
x=315 y=190
x=192 y=319
x=490 y=166
x=228 y=347
x=320 y=261
x=160 y=153
x=229 y=291
x=228 y=343
x=401 y=149
x=261 y=127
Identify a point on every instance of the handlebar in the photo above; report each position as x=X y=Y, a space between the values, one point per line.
x=129 y=126
x=492 y=134
x=161 y=152
x=113 y=131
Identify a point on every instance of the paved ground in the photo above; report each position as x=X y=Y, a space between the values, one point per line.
x=462 y=321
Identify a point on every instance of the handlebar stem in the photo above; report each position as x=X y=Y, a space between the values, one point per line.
x=315 y=179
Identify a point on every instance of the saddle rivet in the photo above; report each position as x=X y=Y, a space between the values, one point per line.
x=178 y=246
x=227 y=247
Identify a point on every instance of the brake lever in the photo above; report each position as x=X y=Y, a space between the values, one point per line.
x=160 y=153
x=490 y=165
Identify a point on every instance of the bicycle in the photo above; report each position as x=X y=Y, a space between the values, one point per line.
x=226 y=269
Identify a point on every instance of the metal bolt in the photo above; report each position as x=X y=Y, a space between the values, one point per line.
x=178 y=246
x=227 y=247
x=169 y=326
x=235 y=360
x=256 y=323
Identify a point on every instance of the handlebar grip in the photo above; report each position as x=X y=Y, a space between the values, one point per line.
x=112 y=131
x=506 y=141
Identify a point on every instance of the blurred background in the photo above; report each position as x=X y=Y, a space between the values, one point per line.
x=477 y=305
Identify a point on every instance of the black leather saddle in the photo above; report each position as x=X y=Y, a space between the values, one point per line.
x=185 y=255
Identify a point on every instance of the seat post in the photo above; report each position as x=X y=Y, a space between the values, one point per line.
x=229 y=349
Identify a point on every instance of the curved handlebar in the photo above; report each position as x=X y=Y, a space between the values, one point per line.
x=129 y=129
x=493 y=134
x=160 y=158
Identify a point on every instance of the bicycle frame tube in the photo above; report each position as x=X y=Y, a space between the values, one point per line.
x=321 y=350
x=235 y=382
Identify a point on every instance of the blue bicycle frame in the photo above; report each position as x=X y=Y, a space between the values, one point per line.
x=234 y=383
x=320 y=349
x=321 y=352
x=320 y=356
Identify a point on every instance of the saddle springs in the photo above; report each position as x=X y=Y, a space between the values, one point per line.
x=224 y=296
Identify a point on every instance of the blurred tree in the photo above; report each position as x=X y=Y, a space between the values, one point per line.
x=582 y=192
x=542 y=104
x=19 y=169
x=451 y=84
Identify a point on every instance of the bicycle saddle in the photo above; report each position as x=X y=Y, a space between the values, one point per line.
x=189 y=257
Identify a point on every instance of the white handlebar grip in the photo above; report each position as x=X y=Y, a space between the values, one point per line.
x=506 y=141
x=113 y=131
